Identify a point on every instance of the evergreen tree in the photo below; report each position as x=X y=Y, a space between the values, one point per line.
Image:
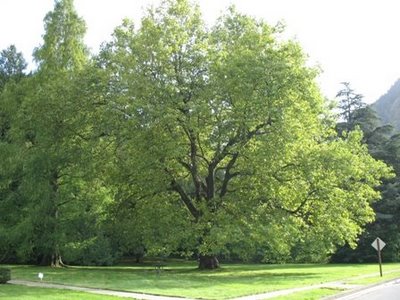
x=385 y=146
x=349 y=103
x=12 y=65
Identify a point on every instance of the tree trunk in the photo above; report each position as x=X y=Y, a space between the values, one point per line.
x=208 y=262
x=56 y=261
x=43 y=260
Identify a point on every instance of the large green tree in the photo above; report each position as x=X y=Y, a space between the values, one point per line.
x=61 y=56
x=222 y=135
x=59 y=207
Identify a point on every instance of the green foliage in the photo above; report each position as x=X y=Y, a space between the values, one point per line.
x=12 y=65
x=96 y=251
x=349 y=104
x=224 y=125
x=47 y=186
x=385 y=146
x=63 y=48
x=176 y=139
x=5 y=275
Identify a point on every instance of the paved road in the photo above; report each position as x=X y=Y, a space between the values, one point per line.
x=386 y=291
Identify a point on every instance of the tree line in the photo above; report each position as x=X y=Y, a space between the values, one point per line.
x=176 y=139
x=383 y=142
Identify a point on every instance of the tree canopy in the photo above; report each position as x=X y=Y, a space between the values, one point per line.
x=226 y=127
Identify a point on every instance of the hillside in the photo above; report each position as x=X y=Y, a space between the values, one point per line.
x=388 y=106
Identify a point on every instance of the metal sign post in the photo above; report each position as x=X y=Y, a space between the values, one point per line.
x=378 y=244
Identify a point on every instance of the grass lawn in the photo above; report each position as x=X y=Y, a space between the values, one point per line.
x=310 y=295
x=9 y=291
x=183 y=279
x=371 y=280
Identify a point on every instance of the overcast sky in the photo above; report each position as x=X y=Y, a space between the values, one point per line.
x=351 y=40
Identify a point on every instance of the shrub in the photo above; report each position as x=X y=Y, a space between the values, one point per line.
x=96 y=251
x=5 y=275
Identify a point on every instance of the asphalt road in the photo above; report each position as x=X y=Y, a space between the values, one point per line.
x=386 y=291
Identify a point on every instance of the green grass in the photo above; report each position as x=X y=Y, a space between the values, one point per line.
x=310 y=295
x=9 y=291
x=371 y=280
x=183 y=279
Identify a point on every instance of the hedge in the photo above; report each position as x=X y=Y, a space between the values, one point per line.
x=5 y=275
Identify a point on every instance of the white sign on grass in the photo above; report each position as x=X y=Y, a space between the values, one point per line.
x=375 y=244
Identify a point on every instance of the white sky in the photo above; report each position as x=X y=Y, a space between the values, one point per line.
x=351 y=40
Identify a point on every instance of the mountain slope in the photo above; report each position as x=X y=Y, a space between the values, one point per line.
x=388 y=106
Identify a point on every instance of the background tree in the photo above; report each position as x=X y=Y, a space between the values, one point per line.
x=63 y=205
x=12 y=91
x=12 y=65
x=383 y=145
x=349 y=103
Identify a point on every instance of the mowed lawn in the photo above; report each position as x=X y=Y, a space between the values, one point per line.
x=17 y=292
x=183 y=279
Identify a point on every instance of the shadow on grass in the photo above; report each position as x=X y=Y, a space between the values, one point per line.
x=137 y=279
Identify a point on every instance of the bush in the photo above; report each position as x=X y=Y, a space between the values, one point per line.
x=5 y=275
x=96 y=251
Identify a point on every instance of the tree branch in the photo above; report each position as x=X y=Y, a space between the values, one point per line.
x=228 y=175
x=300 y=207
x=185 y=199
x=239 y=138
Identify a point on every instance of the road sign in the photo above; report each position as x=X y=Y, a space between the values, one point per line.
x=378 y=244
x=381 y=244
